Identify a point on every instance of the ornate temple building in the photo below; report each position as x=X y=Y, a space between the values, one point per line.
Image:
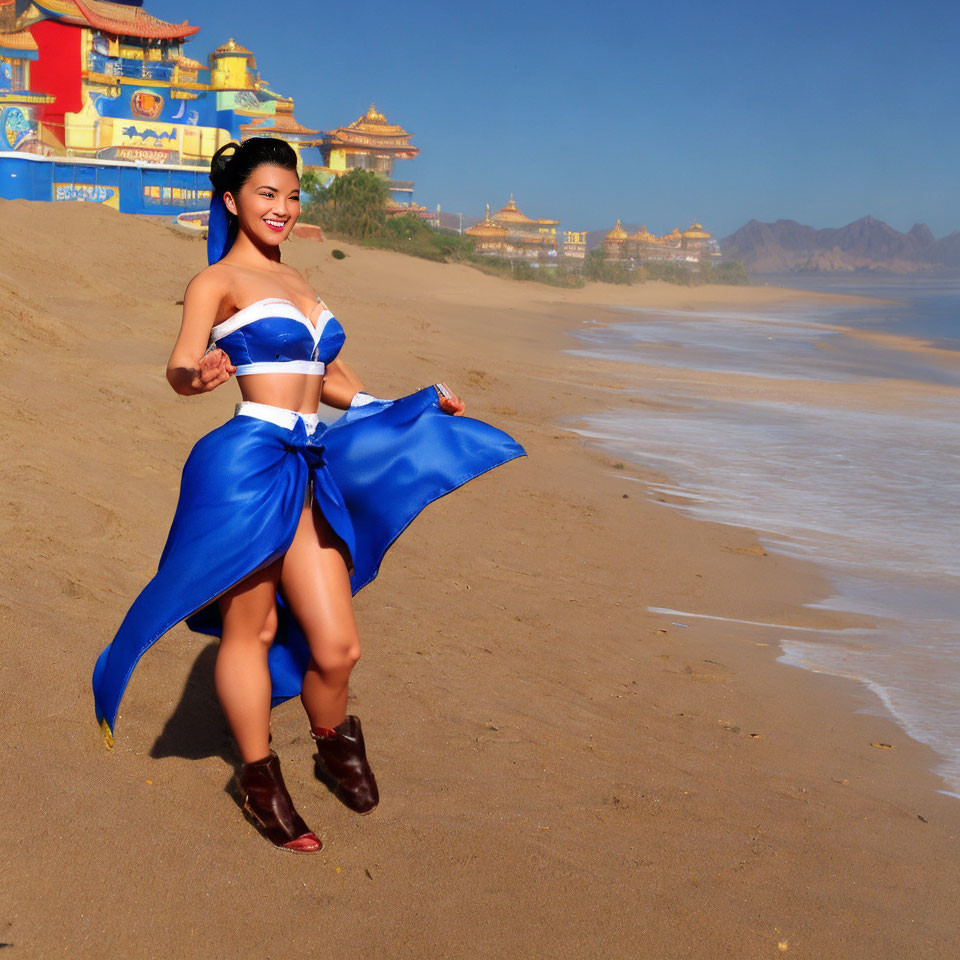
x=692 y=245
x=100 y=102
x=512 y=234
x=696 y=242
x=488 y=236
x=372 y=143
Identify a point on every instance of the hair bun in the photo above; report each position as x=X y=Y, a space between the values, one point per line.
x=220 y=163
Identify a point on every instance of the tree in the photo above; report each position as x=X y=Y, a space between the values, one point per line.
x=354 y=205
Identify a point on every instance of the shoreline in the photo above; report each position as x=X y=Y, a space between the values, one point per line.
x=798 y=619
x=896 y=393
x=550 y=753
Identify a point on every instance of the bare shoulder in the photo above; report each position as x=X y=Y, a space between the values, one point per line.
x=209 y=290
x=212 y=277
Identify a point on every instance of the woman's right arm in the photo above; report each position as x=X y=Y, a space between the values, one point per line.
x=189 y=369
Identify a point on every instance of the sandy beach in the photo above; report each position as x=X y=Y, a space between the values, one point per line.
x=563 y=773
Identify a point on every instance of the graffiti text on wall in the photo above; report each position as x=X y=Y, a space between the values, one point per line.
x=80 y=191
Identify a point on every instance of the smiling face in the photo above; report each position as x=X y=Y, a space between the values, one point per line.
x=268 y=204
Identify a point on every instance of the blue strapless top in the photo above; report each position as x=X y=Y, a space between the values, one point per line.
x=273 y=336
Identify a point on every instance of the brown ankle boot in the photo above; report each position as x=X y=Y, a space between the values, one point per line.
x=267 y=803
x=341 y=764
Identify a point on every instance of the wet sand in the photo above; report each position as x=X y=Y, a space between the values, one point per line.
x=562 y=772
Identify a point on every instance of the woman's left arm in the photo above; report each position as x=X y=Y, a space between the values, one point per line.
x=340 y=384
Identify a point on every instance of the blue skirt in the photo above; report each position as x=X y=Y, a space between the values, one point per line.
x=241 y=494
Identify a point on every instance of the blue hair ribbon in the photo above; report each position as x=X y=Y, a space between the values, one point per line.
x=219 y=240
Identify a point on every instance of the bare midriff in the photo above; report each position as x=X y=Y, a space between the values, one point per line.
x=292 y=391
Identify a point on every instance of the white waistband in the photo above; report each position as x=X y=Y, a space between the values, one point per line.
x=281 y=416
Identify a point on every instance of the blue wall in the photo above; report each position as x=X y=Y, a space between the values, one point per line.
x=28 y=178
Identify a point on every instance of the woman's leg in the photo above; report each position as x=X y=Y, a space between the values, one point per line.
x=316 y=587
x=241 y=675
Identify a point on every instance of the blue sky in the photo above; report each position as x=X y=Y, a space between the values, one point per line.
x=654 y=112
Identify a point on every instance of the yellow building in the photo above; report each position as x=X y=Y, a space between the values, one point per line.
x=109 y=91
x=371 y=143
x=696 y=240
x=692 y=245
x=98 y=80
x=488 y=236
x=615 y=241
x=520 y=236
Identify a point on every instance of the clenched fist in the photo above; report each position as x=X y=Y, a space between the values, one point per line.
x=214 y=368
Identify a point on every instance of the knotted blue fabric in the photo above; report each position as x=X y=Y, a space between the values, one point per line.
x=241 y=494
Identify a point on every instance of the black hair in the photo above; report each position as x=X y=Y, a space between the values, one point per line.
x=232 y=164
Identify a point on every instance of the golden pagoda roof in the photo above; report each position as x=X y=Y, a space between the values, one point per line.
x=117 y=19
x=486 y=228
x=188 y=63
x=232 y=48
x=617 y=233
x=696 y=232
x=375 y=122
x=645 y=236
x=282 y=123
x=511 y=213
x=372 y=131
x=18 y=40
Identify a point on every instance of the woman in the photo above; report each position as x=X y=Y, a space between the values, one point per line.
x=281 y=518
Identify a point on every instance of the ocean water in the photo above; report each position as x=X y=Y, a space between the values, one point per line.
x=869 y=493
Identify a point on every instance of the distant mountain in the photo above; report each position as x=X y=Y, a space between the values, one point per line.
x=868 y=245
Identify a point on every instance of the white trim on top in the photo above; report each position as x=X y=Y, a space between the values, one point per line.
x=278 y=307
x=281 y=366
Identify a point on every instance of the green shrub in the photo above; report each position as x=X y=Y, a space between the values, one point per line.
x=407 y=233
x=596 y=267
x=729 y=271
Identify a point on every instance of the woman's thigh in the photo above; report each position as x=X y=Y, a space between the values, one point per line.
x=316 y=586
x=249 y=608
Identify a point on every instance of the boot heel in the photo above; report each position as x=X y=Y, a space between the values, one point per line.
x=268 y=806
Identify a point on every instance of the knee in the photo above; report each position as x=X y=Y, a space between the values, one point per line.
x=340 y=657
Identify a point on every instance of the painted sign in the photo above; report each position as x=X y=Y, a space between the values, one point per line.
x=139 y=154
x=152 y=136
x=200 y=111
x=14 y=127
x=146 y=103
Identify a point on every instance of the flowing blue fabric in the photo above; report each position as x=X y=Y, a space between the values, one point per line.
x=219 y=240
x=241 y=493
